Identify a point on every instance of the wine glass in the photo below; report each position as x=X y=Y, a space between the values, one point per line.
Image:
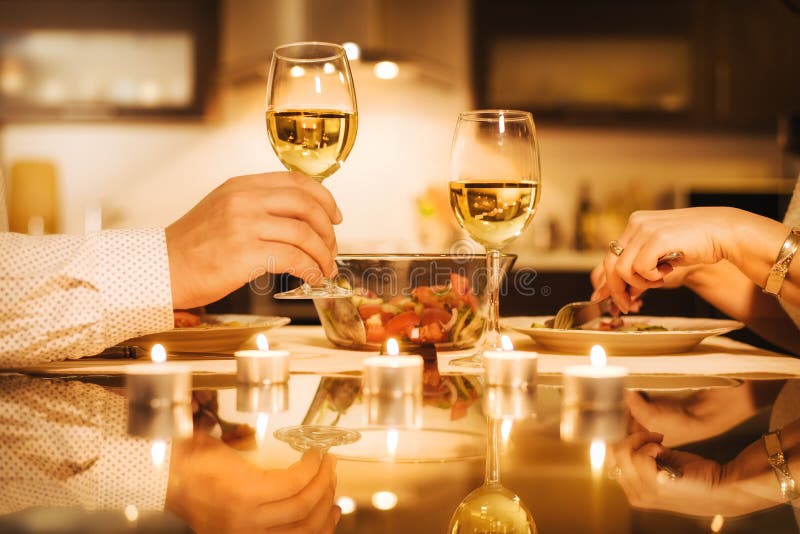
x=491 y=508
x=494 y=193
x=311 y=120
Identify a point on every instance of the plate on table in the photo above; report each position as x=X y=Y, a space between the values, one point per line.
x=217 y=333
x=682 y=334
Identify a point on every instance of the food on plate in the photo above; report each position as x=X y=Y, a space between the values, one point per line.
x=188 y=318
x=197 y=317
x=442 y=314
x=611 y=324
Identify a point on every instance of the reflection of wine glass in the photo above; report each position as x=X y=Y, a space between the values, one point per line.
x=306 y=437
x=492 y=508
x=494 y=193
x=311 y=120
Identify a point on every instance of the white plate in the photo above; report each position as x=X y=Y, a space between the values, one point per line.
x=212 y=337
x=682 y=335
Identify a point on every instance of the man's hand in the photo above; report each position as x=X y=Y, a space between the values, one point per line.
x=215 y=490
x=276 y=222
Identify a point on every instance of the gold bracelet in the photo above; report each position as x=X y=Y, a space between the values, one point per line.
x=778 y=272
x=777 y=460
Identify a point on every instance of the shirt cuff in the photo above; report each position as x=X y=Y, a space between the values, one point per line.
x=134 y=282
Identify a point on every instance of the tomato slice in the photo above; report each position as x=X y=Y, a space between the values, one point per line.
x=401 y=324
x=376 y=334
x=434 y=315
x=460 y=284
x=368 y=310
x=431 y=333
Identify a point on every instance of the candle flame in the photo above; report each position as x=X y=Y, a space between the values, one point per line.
x=262 y=422
x=598 y=356
x=392 y=442
x=717 y=522
x=506 y=343
x=505 y=430
x=158 y=453
x=392 y=347
x=158 y=354
x=261 y=342
x=597 y=455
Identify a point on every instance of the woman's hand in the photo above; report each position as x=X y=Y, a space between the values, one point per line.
x=703 y=235
x=277 y=222
x=215 y=490
x=696 y=417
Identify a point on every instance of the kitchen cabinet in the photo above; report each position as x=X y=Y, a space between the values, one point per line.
x=708 y=64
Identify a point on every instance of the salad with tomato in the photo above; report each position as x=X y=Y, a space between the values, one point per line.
x=447 y=315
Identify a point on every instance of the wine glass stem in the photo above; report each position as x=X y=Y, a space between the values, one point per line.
x=491 y=335
x=492 y=477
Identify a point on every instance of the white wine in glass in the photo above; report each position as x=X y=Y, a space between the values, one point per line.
x=312 y=119
x=495 y=185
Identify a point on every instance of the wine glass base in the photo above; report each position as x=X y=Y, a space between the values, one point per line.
x=474 y=361
x=303 y=438
x=307 y=292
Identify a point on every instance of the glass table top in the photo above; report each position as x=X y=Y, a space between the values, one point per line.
x=69 y=464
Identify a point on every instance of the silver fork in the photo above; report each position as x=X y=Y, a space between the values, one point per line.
x=584 y=311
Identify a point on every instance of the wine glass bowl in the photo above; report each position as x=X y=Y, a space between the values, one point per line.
x=312 y=119
x=312 y=116
x=492 y=508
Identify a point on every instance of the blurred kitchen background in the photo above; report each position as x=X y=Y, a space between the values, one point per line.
x=123 y=113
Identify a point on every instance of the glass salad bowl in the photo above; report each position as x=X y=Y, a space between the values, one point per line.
x=413 y=298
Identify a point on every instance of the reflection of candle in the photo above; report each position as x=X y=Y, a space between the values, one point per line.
x=597 y=386
x=267 y=398
x=262 y=366
x=392 y=387
x=159 y=397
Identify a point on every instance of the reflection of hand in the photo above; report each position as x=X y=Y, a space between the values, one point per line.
x=216 y=491
x=705 y=487
x=698 y=416
x=281 y=222
x=647 y=487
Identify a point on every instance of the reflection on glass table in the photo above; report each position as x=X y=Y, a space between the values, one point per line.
x=66 y=453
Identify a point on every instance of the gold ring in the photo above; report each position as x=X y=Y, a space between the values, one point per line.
x=615 y=472
x=615 y=247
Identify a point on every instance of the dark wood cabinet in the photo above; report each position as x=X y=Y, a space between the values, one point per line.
x=714 y=64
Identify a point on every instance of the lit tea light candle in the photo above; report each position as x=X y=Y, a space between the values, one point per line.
x=262 y=366
x=509 y=367
x=597 y=386
x=392 y=388
x=159 y=397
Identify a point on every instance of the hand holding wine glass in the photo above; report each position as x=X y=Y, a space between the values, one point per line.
x=312 y=119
